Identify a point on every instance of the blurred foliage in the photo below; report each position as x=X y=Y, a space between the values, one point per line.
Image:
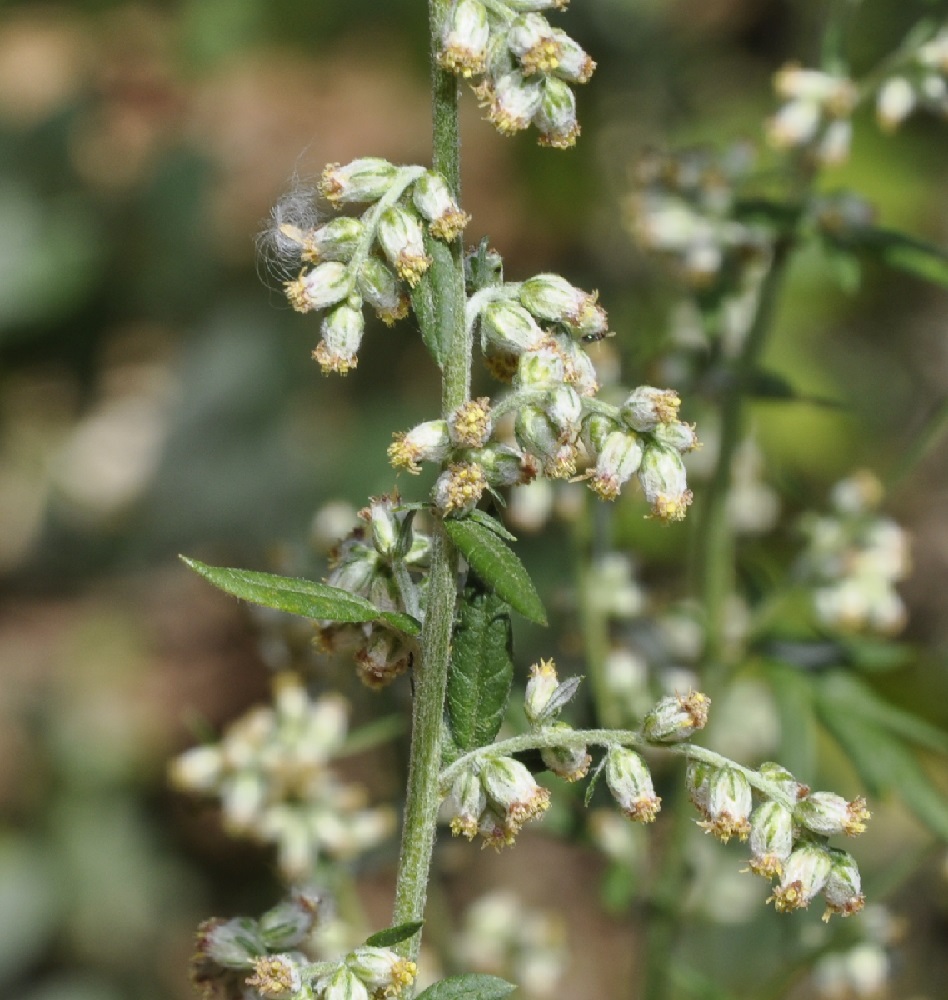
x=155 y=398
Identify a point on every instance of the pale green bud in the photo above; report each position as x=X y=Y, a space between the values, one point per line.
x=630 y=782
x=512 y=790
x=541 y=367
x=233 y=944
x=342 y=331
x=555 y=118
x=433 y=199
x=895 y=102
x=531 y=40
x=781 y=777
x=512 y=101
x=698 y=782
x=575 y=65
x=379 y=287
x=362 y=180
x=467 y=801
x=289 y=923
x=322 y=286
x=676 y=717
x=336 y=240
x=664 y=482
x=541 y=687
x=427 y=442
x=402 y=241
x=464 y=39
x=342 y=985
x=617 y=461
x=537 y=434
x=646 y=407
x=804 y=875
x=843 y=888
x=508 y=326
x=771 y=838
x=381 y=969
x=564 y=407
x=828 y=814
x=596 y=428
x=505 y=465
x=568 y=763
x=675 y=434
x=550 y=297
x=729 y=804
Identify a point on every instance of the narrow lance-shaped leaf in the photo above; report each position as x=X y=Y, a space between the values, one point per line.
x=301 y=597
x=497 y=566
x=471 y=986
x=393 y=935
x=481 y=669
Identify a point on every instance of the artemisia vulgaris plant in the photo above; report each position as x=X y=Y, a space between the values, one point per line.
x=427 y=585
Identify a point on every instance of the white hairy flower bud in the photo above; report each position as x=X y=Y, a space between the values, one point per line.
x=676 y=717
x=555 y=118
x=630 y=782
x=828 y=814
x=781 y=777
x=322 y=286
x=771 y=838
x=289 y=923
x=530 y=38
x=550 y=297
x=794 y=123
x=379 y=287
x=511 y=101
x=233 y=944
x=646 y=407
x=544 y=366
x=427 y=442
x=466 y=803
x=728 y=805
x=402 y=241
x=381 y=969
x=843 y=888
x=617 y=461
x=895 y=102
x=664 y=482
x=675 y=434
x=336 y=240
x=505 y=465
x=509 y=327
x=568 y=763
x=596 y=429
x=342 y=331
x=464 y=39
x=433 y=199
x=276 y=977
x=343 y=984
x=575 y=65
x=537 y=434
x=513 y=792
x=363 y=180
x=804 y=875
x=541 y=687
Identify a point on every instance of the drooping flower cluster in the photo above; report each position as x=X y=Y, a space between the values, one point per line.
x=921 y=83
x=788 y=835
x=523 y=67
x=384 y=562
x=267 y=959
x=853 y=559
x=271 y=771
x=373 y=259
x=558 y=421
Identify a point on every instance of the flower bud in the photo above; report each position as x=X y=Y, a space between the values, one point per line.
x=196 y=770
x=336 y=240
x=513 y=792
x=676 y=717
x=804 y=875
x=537 y=434
x=729 y=803
x=466 y=803
x=530 y=39
x=402 y=240
x=433 y=199
x=550 y=297
x=505 y=465
x=544 y=366
x=382 y=970
x=379 y=287
x=508 y=326
x=843 y=888
x=783 y=779
x=383 y=657
x=698 y=782
x=555 y=118
x=324 y=285
x=427 y=442
x=827 y=814
x=564 y=407
x=596 y=429
x=794 y=124
x=343 y=984
x=575 y=65
x=541 y=687
x=232 y=944
x=895 y=102
x=362 y=180
x=276 y=977
x=771 y=838
x=630 y=782
x=664 y=483
x=386 y=526
x=617 y=462
x=289 y=923
x=568 y=763
x=342 y=331
x=646 y=407
x=464 y=39
x=459 y=488
x=675 y=434
x=469 y=426
x=511 y=101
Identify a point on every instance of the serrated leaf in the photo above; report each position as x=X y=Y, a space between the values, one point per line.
x=307 y=598
x=393 y=935
x=481 y=670
x=497 y=566
x=839 y=692
x=471 y=986
x=482 y=517
x=886 y=765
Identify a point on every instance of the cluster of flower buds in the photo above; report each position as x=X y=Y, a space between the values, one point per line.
x=815 y=115
x=271 y=771
x=371 y=259
x=920 y=84
x=787 y=833
x=261 y=959
x=682 y=207
x=520 y=67
x=494 y=797
x=854 y=558
x=545 y=698
x=365 y=564
x=501 y=936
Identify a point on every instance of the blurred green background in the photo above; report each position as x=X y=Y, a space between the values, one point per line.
x=157 y=397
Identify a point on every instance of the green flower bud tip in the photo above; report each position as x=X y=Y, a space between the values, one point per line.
x=771 y=838
x=843 y=888
x=568 y=763
x=508 y=326
x=232 y=944
x=382 y=970
x=288 y=924
x=781 y=777
x=402 y=240
x=342 y=331
x=434 y=201
x=617 y=462
x=505 y=465
x=323 y=286
x=276 y=977
x=427 y=442
x=804 y=875
x=511 y=101
x=459 y=488
x=531 y=40
x=379 y=287
x=827 y=814
x=363 y=180
x=630 y=782
x=541 y=687
x=676 y=717
x=469 y=426
x=464 y=39
x=514 y=793
x=466 y=804
x=555 y=118
x=729 y=803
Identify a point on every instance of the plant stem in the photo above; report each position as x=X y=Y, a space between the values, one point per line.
x=431 y=672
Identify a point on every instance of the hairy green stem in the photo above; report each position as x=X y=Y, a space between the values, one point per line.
x=431 y=671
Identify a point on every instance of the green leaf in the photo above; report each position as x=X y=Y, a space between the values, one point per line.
x=470 y=986
x=767 y=385
x=842 y=693
x=793 y=698
x=432 y=298
x=482 y=517
x=497 y=566
x=300 y=597
x=481 y=669
x=886 y=765
x=393 y=935
x=902 y=251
